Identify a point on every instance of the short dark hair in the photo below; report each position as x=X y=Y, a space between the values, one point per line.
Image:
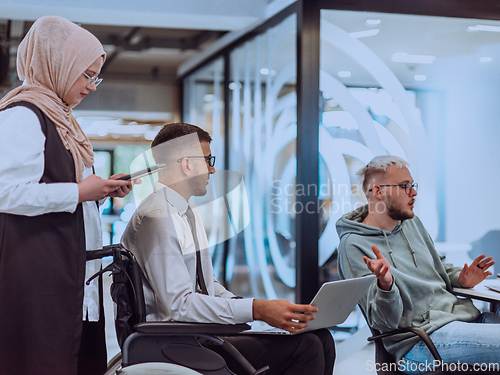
x=172 y=131
x=178 y=129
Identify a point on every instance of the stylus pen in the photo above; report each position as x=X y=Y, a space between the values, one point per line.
x=143 y=172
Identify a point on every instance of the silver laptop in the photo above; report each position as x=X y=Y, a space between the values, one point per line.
x=335 y=301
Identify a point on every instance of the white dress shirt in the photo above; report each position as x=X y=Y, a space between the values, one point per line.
x=22 y=145
x=160 y=237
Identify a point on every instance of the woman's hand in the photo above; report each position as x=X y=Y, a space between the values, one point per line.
x=122 y=191
x=94 y=188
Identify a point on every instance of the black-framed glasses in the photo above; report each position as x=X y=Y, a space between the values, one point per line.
x=209 y=159
x=408 y=186
x=92 y=80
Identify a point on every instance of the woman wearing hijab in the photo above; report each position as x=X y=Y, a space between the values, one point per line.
x=50 y=323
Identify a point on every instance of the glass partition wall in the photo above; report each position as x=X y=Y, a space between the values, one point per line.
x=263 y=124
x=260 y=140
x=422 y=87
x=419 y=87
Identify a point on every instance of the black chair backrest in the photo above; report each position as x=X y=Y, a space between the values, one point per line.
x=126 y=290
x=127 y=294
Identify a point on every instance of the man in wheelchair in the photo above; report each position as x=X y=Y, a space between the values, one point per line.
x=168 y=238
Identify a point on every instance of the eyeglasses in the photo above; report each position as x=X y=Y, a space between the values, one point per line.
x=408 y=186
x=92 y=80
x=209 y=159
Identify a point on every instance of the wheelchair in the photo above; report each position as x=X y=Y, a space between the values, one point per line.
x=165 y=344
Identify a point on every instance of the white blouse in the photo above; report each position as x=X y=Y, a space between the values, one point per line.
x=21 y=166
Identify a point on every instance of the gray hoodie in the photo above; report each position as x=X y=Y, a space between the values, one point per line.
x=421 y=294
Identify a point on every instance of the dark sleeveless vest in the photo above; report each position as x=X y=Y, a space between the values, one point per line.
x=42 y=271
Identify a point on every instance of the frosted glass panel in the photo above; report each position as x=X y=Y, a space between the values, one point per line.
x=262 y=148
x=423 y=88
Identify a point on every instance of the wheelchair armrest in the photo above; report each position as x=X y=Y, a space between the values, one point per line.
x=415 y=330
x=106 y=251
x=179 y=328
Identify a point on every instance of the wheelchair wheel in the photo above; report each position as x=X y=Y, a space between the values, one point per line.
x=156 y=368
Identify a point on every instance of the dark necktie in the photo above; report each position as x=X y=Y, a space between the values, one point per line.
x=200 y=281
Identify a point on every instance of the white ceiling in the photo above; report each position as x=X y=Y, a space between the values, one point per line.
x=176 y=14
x=180 y=30
x=167 y=33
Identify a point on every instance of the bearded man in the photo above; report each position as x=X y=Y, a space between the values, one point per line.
x=414 y=287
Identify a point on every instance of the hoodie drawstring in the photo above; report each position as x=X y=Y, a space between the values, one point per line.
x=407 y=242
x=390 y=250
x=411 y=249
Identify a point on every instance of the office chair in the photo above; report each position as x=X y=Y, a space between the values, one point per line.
x=386 y=365
x=162 y=342
x=385 y=362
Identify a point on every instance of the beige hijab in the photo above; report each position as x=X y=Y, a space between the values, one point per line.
x=52 y=56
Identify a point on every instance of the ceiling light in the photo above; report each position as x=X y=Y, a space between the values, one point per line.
x=485 y=59
x=362 y=34
x=136 y=39
x=404 y=57
x=235 y=86
x=495 y=29
x=344 y=74
x=264 y=71
x=420 y=77
x=150 y=135
x=373 y=22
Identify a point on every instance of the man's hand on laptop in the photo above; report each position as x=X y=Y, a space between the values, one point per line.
x=283 y=314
